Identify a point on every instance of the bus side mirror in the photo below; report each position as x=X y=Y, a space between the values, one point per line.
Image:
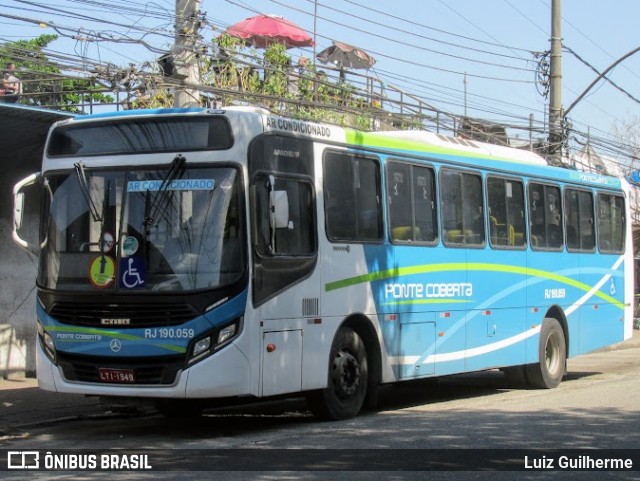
x=26 y=213
x=279 y=210
x=270 y=212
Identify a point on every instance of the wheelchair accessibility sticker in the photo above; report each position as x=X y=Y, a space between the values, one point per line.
x=102 y=271
x=132 y=272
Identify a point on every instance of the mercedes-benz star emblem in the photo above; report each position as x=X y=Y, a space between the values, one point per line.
x=115 y=345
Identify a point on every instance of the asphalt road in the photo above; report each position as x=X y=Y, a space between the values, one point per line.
x=595 y=408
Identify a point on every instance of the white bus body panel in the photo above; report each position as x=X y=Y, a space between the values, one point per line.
x=629 y=267
x=224 y=374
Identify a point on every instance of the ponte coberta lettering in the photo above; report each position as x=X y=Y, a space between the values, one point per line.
x=429 y=290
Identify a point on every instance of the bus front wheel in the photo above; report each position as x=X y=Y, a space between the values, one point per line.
x=348 y=376
x=552 y=357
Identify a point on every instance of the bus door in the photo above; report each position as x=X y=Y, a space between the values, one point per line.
x=285 y=284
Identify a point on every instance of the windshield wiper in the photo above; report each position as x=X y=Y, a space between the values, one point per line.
x=175 y=172
x=84 y=188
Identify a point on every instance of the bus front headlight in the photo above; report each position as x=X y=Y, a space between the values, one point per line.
x=214 y=340
x=201 y=346
x=48 y=346
x=227 y=333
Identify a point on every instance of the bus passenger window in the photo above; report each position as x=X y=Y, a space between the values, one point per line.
x=507 y=227
x=412 y=203
x=352 y=198
x=545 y=217
x=611 y=223
x=579 y=218
x=339 y=201
x=461 y=208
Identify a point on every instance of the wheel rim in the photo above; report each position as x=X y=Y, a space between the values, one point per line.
x=552 y=354
x=346 y=374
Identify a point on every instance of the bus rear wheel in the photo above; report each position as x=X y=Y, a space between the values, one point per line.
x=548 y=372
x=348 y=377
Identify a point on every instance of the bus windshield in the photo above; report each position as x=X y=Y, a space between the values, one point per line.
x=155 y=230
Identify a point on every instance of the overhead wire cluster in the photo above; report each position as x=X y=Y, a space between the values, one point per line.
x=133 y=30
x=517 y=66
x=420 y=54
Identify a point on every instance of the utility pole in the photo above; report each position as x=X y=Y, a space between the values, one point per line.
x=555 y=98
x=465 y=94
x=185 y=53
x=315 y=28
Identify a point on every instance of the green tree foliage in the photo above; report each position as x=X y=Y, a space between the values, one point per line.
x=43 y=82
x=243 y=75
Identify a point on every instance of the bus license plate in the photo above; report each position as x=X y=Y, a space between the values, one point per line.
x=116 y=375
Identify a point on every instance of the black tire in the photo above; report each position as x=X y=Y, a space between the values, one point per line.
x=515 y=377
x=548 y=372
x=348 y=379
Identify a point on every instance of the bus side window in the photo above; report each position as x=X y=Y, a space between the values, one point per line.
x=611 y=223
x=545 y=217
x=339 y=200
x=352 y=198
x=297 y=238
x=461 y=208
x=507 y=227
x=411 y=198
x=579 y=220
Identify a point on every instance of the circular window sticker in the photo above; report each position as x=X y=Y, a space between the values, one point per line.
x=102 y=271
x=130 y=246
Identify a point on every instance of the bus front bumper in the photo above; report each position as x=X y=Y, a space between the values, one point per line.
x=223 y=374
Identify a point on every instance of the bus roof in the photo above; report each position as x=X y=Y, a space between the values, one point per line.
x=438 y=146
x=414 y=139
x=167 y=111
x=468 y=152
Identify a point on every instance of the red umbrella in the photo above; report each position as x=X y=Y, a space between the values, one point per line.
x=263 y=30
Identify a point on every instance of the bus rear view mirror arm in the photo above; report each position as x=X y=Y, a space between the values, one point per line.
x=20 y=200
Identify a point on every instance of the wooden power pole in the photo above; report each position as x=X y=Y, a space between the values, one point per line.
x=185 y=53
x=555 y=88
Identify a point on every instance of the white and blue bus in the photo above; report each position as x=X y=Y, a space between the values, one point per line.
x=190 y=255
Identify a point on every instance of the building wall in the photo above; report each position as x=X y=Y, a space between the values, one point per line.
x=17 y=282
x=22 y=137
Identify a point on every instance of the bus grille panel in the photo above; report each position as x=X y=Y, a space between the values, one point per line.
x=122 y=315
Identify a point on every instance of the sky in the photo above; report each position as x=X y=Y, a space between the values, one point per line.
x=424 y=47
